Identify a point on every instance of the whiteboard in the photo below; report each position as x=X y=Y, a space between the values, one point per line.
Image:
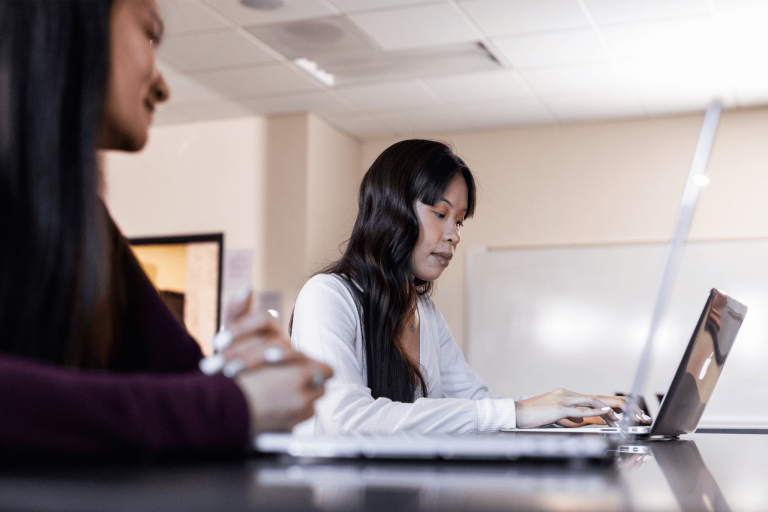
x=539 y=319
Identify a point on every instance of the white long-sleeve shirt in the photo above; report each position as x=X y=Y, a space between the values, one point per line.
x=326 y=327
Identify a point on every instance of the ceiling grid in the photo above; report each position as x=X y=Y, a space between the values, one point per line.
x=416 y=66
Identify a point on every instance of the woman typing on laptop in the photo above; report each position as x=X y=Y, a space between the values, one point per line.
x=91 y=360
x=369 y=315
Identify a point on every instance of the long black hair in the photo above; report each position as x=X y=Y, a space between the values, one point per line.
x=377 y=261
x=54 y=62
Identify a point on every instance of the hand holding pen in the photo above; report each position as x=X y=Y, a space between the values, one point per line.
x=279 y=383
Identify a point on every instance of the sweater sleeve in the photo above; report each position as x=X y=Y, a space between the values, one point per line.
x=326 y=327
x=49 y=408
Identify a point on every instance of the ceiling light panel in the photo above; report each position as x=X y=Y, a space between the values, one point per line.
x=183 y=17
x=477 y=87
x=416 y=27
x=292 y=10
x=257 y=81
x=554 y=49
x=512 y=17
x=616 y=11
x=318 y=40
x=212 y=50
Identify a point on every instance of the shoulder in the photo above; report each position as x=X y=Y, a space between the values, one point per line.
x=328 y=293
x=326 y=286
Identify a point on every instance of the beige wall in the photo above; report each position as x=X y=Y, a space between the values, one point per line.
x=193 y=178
x=603 y=183
x=286 y=186
x=313 y=170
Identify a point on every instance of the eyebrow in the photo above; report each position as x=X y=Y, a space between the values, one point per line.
x=451 y=204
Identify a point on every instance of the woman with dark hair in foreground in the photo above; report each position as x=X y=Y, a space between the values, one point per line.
x=91 y=360
x=369 y=315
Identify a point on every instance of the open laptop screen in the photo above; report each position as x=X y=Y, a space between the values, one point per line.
x=700 y=366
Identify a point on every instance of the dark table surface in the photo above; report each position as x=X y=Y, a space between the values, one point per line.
x=716 y=472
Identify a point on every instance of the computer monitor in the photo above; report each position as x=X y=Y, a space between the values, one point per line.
x=187 y=272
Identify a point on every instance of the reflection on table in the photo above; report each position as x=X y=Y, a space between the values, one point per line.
x=715 y=472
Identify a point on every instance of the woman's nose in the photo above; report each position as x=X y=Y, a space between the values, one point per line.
x=161 y=90
x=451 y=234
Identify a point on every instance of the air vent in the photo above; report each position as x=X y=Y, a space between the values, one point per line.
x=316 y=40
x=424 y=63
x=337 y=47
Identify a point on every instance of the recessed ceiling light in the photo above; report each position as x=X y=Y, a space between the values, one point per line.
x=264 y=5
x=311 y=67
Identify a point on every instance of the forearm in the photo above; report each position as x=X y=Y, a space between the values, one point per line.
x=55 y=409
x=347 y=409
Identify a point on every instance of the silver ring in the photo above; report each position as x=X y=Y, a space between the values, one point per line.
x=212 y=365
x=233 y=367
x=273 y=355
x=318 y=379
x=222 y=340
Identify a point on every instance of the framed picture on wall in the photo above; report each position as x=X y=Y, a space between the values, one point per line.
x=187 y=272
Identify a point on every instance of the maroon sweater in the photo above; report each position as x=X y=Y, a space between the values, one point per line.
x=154 y=400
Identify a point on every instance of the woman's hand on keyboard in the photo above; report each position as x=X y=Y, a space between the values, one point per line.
x=571 y=409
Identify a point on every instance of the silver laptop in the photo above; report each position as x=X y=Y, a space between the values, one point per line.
x=691 y=387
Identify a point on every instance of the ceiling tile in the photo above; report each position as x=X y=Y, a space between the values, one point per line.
x=212 y=50
x=424 y=121
x=254 y=81
x=681 y=38
x=184 y=16
x=673 y=76
x=507 y=17
x=755 y=6
x=505 y=113
x=678 y=85
x=374 y=5
x=416 y=27
x=213 y=110
x=555 y=49
x=320 y=102
x=360 y=125
x=390 y=96
x=477 y=87
x=184 y=88
x=292 y=10
x=581 y=79
x=614 y=11
x=168 y=115
x=316 y=39
x=587 y=107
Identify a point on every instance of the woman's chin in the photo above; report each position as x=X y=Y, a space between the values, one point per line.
x=431 y=275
